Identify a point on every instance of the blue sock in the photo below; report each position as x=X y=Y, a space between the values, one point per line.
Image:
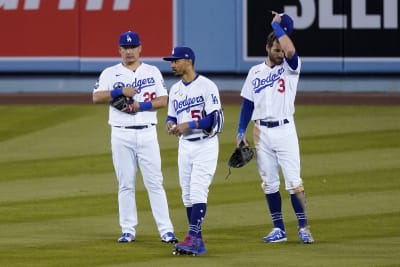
x=189 y=213
x=196 y=219
x=299 y=210
x=275 y=208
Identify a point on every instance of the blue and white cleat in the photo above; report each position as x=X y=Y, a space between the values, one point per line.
x=169 y=238
x=305 y=236
x=126 y=238
x=275 y=236
x=190 y=246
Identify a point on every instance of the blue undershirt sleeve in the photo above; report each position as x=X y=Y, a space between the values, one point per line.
x=204 y=123
x=207 y=121
x=245 y=115
x=294 y=61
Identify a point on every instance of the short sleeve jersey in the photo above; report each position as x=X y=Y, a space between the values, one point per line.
x=146 y=78
x=272 y=90
x=193 y=101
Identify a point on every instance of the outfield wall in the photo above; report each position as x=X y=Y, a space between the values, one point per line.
x=85 y=83
x=228 y=36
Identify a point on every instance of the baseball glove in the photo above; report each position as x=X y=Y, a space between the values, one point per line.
x=241 y=156
x=124 y=104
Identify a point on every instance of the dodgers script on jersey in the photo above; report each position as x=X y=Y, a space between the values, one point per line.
x=193 y=101
x=149 y=82
x=273 y=90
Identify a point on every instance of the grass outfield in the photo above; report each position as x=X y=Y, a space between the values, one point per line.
x=58 y=202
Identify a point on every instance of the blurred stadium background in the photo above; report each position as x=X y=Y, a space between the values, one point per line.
x=62 y=45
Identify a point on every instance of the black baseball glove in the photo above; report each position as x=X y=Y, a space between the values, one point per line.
x=124 y=104
x=240 y=157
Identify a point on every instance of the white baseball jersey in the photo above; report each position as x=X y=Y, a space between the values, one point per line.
x=197 y=160
x=149 y=82
x=193 y=102
x=272 y=90
x=134 y=149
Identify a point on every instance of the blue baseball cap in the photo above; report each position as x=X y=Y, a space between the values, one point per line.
x=181 y=52
x=286 y=23
x=129 y=39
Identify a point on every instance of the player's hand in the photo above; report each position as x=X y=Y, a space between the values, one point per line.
x=182 y=128
x=129 y=91
x=276 y=17
x=170 y=127
x=240 y=138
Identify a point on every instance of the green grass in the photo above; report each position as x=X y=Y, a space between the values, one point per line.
x=58 y=200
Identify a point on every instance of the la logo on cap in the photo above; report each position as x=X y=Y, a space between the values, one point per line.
x=129 y=39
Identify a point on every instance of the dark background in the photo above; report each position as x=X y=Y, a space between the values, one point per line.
x=315 y=42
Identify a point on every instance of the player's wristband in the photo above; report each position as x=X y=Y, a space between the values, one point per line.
x=240 y=135
x=116 y=93
x=279 y=32
x=192 y=124
x=170 y=118
x=145 y=105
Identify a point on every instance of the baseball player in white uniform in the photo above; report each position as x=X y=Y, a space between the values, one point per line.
x=195 y=116
x=268 y=99
x=134 y=141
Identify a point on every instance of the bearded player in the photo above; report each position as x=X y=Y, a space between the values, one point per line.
x=268 y=99
x=195 y=116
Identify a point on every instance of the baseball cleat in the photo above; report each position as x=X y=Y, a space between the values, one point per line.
x=305 y=236
x=126 y=238
x=190 y=246
x=169 y=238
x=275 y=236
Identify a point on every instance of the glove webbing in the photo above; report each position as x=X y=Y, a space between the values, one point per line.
x=242 y=144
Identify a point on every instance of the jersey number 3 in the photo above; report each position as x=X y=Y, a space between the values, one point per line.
x=281 y=86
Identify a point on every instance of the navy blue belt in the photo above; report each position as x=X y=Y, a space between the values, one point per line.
x=197 y=138
x=136 y=127
x=272 y=124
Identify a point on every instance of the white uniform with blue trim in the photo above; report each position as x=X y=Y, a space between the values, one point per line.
x=137 y=148
x=273 y=92
x=149 y=82
x=198 y=151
